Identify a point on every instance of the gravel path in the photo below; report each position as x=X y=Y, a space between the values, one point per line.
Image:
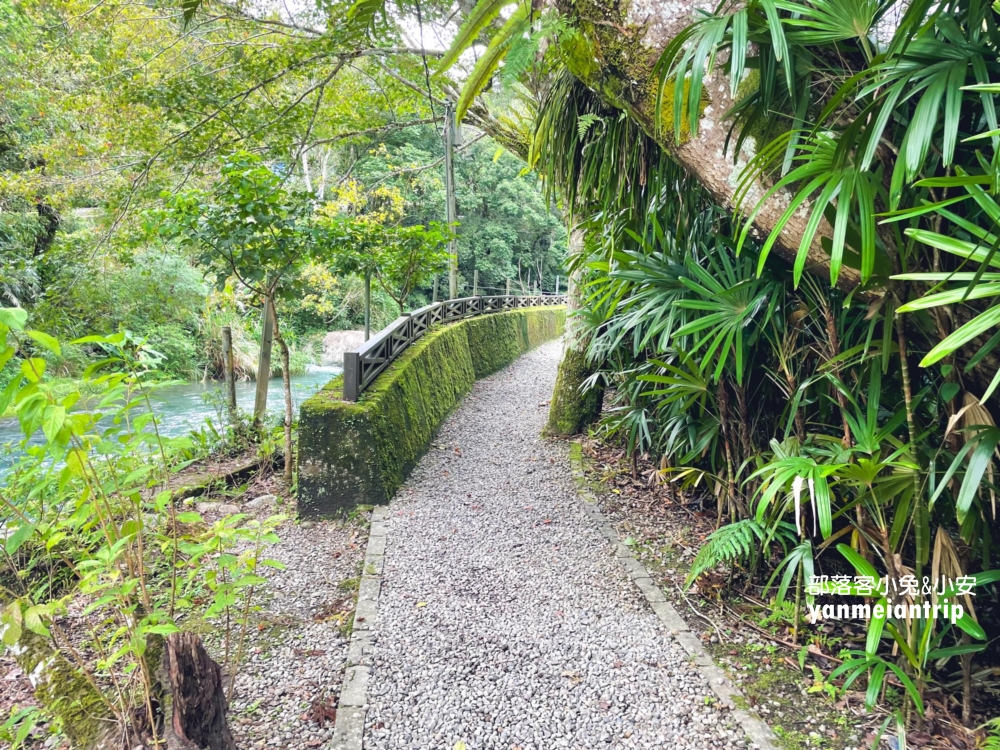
x=504 y=619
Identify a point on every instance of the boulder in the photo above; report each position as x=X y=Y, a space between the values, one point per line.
x=336 y=343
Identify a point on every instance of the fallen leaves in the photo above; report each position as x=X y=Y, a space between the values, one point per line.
x=321 y=711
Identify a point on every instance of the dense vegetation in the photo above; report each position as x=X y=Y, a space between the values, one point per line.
x=164 y=174
x=131 y=103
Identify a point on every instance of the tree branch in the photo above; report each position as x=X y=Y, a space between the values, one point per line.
x=373 y=131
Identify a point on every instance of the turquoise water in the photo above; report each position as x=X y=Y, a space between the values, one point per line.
x=182 y=408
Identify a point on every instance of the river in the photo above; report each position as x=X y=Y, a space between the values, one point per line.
x=182 y=408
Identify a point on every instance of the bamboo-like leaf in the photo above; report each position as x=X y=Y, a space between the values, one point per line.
x=980 y=459
x=486 y=66
x=484 y=13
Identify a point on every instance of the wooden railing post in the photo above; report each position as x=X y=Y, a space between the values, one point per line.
x=352 y=376
x=228 y=365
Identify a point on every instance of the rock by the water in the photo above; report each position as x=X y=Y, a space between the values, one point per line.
x=336 y=343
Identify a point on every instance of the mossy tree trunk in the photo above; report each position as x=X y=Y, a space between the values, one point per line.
x=615 y=52
x=573 y=408
x=87 y=718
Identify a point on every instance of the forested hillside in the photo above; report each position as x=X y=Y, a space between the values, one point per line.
x=108 y=109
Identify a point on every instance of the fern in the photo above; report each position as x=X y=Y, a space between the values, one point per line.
x=992 y=740
x=585 y=122
x=732 y=543
x=521 y=56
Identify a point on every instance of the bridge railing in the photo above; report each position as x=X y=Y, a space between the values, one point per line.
x=364 y=364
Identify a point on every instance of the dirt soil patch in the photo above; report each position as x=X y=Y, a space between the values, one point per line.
x=784 y=681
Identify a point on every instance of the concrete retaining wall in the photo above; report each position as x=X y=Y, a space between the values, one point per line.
x=359 y=453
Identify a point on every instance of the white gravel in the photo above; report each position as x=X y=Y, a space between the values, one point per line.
x=296 y=650
x=504 y=619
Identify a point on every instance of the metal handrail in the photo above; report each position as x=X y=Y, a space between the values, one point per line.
x=364 y=364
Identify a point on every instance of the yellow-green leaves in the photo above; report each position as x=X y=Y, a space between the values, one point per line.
x=13 y=318
x=33 y=369
x=484 y=12
x=486 y=66
x=46 y=341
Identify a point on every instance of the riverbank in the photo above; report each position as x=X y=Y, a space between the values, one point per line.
x=185 y=407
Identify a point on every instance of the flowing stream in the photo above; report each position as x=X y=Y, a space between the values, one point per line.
x=182 y=408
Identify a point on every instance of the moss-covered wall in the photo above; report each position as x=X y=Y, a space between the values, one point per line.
x=359 y=453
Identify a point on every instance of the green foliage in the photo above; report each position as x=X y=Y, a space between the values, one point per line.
x=248 y=227
x=911 y=92
x=400 y=258
x=20 y=724
x=733 y=543
x=483 y=14
x=992 y=741
x=90 y=519
x=505 y=228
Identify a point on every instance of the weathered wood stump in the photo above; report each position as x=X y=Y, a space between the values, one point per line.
x=196 y=713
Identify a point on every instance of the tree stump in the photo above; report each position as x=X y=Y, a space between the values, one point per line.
x=196 y=709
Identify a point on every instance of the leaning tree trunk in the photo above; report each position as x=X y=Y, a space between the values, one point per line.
x=86 y=717
x=614 y=52
x=573 y=408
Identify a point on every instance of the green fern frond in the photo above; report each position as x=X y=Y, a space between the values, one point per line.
x=732 y=543
x=584 y=123
x=483 y=14
x=484 y=68
x=992 y=741
x=521 y=56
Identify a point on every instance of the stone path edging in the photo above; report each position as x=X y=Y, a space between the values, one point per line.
x=756 y=730
x=349 y=728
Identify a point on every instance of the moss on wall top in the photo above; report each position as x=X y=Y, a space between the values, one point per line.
x=359 y=453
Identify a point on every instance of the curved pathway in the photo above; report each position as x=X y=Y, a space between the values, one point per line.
x=504 y=619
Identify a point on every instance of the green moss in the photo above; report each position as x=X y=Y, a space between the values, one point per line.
x=667 y=109
x=494 y=342
x=77 y=708
x=602 y=53
x=359 y=453
x=572 y=409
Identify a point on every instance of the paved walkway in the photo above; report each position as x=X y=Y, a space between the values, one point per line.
x=504 y=620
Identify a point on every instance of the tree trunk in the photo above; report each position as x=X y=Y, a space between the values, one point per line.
x=68 y=696
x=286 y=381
x=197 y=699
x=263 y=364
x=614 y=54
x=572 y=409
